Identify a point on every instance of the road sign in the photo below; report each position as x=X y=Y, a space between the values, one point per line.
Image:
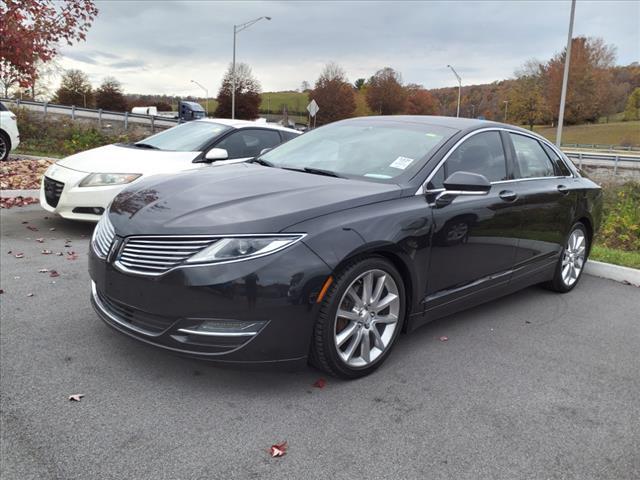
x=313 y=108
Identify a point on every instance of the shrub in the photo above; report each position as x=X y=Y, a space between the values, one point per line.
x=621 y=217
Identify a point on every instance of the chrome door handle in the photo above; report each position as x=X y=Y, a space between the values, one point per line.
x=563 y=189
x=508 y=195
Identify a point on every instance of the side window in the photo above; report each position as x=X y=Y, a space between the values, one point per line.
x=249 y=142
x=288 y=135
x=562 y=167
x=531 y=159
x=482 y=153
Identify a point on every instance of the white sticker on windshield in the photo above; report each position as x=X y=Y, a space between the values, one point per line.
x=401 y=163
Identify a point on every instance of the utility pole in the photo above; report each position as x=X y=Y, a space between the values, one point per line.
x=459 y=88
x=565 y=76
x=206 y=92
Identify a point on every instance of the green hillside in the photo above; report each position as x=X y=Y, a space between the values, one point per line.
x=614 y=133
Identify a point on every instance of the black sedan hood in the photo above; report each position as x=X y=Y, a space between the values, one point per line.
x=240 y=198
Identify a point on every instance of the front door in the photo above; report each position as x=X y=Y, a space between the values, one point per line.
x=474 y=240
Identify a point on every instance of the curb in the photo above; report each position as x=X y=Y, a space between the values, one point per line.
x=22 y=156
x=630 y=276
x=19 y=193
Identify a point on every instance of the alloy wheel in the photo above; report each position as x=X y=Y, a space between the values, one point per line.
x=3 y=147
x=367 y=318
x=574 y=257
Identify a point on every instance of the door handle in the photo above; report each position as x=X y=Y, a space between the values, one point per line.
x=563 y=189
x=508 y=195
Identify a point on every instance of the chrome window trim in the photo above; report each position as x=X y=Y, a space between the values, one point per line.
x=423 y=188
x=125 y=269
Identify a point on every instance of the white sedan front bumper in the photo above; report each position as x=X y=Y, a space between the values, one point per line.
x=62 y=194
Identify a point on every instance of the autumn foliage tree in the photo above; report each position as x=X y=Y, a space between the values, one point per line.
x=247 y=94
x=527 y=103
x=632 y=110
x=75 y=89
x=589 y=85
x=109 y=96
x=31 y=31
x=334 y=95
x=419 y=101
x=385 y=94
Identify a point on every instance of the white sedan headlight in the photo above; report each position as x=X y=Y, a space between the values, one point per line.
x=104 y=179
x=241 y=248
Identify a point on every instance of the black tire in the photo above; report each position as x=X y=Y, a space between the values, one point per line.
x=557 y=284
x=324 y=354
x=6 y=143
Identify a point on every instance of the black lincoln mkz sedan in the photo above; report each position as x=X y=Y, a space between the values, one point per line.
x=329 y=246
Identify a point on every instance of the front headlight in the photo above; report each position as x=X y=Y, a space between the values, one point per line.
x=103 y=179
x=241 y=248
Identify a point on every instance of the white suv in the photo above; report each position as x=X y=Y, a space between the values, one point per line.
x=9 y=135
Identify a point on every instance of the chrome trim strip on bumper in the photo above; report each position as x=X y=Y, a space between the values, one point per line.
x=217 y=334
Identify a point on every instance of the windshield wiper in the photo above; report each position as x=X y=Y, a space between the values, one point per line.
x=260 y=161
x=315 y=171
x=144 y=145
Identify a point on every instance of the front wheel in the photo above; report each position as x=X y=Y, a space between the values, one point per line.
x=360 y=318
x=572 y=260
x=5 y=146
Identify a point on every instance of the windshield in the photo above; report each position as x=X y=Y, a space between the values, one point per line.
x=375 y=150
x=188 y=137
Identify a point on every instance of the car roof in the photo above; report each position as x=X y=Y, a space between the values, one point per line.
x=457 y=123
x=247 y=123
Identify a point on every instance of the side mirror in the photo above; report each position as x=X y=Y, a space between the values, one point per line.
x=463 y=183
x=265 y=150
x=216 y=154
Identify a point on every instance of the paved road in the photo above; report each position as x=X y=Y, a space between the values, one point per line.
x=536 y=385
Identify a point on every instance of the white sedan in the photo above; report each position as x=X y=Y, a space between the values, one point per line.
x=81 y=186
x=9 y=135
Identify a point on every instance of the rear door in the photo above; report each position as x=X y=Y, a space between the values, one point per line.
x=547 y=195
x=246 y=143
x=475 y=237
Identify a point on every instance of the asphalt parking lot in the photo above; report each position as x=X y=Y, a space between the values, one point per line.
x=536 y=385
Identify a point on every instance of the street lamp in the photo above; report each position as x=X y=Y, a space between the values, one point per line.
x=236 y=30
x=206 y=92
x=459 y=88
x=506 y=106
x=565 y=77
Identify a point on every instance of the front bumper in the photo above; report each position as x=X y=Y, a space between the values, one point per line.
x=75 y=202
x=265 y=307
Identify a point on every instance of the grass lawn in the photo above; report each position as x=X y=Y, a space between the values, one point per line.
x=613 y=133
x=274 y=101
x=615 y=256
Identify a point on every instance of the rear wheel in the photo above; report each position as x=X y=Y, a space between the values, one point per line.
x=572 y=260
x=360 y=318
x=5 y=146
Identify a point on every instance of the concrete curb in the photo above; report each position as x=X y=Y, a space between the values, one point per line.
x=613 y=272
x=18 y=193
x=21 y=156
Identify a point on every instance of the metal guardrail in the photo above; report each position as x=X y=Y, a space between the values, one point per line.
x=99 y=114
x=599 y=146
x=604 y=159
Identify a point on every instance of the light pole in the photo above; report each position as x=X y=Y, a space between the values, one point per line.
x=565 y=77
x=206 y=92
x=236 y=30
x=473 y=111
x=506 y=107
x=459 y=88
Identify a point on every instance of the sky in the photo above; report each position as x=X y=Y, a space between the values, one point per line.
x=160 y=46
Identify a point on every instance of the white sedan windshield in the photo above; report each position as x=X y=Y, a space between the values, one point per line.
x=188 y=137
x=378 y=150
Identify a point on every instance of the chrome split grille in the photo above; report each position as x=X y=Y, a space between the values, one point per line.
x=103 y=237
x=156 y=255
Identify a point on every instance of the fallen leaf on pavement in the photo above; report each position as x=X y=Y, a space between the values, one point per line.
x=443 y=338
x=19 y=255
x=43 y=270
x=53 y=273
x=29 y=294
x=279 y=449
x=76 y=397
x=25 y=222
x=40 y=240
x=52 y=229
x=1 y=291
x=46 y=252
x=59 y=254
x=32 y=228
x=320 y=383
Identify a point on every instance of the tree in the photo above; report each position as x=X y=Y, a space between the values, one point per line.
x=334 y=95
x=359 y=83
x=247 y=94
x=632 y=111
x=589 y=80
x=109 y=96
x=526 y=95
x=32 y=30
x=304 y=87
x=419 y=101
x=74 y=89
x=385 y=94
